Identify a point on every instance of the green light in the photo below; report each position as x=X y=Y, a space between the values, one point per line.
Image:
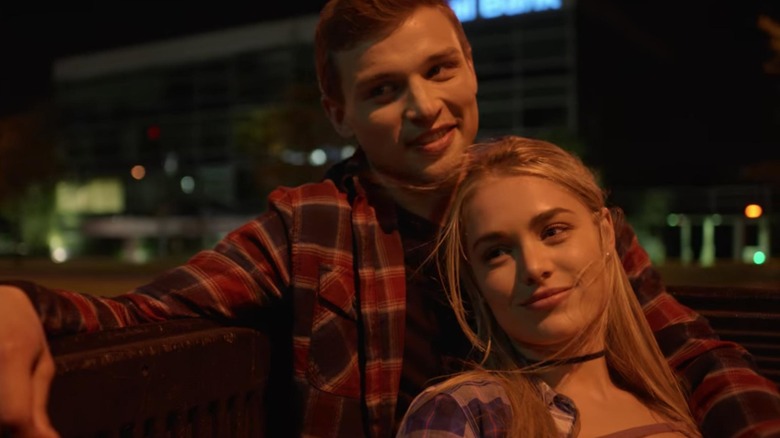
x=759 y=257
x=673 y=220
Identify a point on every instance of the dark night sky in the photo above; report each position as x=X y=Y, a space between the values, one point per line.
x=35 y=32
x=682 y=78
x=674 y=92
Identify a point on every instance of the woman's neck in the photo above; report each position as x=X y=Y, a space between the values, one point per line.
x=603 y=407
x=590 y=377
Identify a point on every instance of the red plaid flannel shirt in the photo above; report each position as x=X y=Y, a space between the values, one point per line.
x=329 y=250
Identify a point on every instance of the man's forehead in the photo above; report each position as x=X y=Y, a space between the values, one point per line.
x=414 y=40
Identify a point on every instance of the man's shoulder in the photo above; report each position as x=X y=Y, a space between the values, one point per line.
x=323 y=192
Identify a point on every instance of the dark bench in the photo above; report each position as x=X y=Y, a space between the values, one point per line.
x=748 y=316
x=179 y=378
x=196 y=378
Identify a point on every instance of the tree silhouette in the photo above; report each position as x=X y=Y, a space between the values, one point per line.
x=27 y=157
x=297 y=126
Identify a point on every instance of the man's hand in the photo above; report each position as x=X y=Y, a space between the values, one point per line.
x=26 y=368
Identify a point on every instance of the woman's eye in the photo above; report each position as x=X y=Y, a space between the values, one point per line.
x=553 y=231
x=496 y=252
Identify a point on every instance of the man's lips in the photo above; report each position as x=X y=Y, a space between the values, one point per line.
x=430 y=137
x=542 y=294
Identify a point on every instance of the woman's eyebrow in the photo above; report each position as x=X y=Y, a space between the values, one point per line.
x=536 y=221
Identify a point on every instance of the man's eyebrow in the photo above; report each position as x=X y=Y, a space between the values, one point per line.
x=374 y=78
x=448 y=52
x=383 y=76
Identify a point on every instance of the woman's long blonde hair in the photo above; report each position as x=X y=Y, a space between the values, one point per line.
x=633 y=357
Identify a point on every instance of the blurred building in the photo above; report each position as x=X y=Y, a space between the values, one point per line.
x=170 y=144
x=185 y=137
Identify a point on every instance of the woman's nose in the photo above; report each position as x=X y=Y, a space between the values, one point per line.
x=535 y=267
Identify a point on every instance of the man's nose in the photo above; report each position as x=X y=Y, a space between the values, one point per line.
x=421 y=102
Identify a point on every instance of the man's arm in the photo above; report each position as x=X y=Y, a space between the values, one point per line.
x=728 y=397
x=246 y=271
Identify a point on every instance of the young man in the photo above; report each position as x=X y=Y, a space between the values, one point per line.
x=343 y=258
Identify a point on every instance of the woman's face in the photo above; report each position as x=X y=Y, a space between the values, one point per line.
x=538 y=258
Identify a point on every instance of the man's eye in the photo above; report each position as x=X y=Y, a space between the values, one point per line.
x=381 y=91
x=442 y=71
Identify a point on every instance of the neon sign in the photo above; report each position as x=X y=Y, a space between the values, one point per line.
x=468 y=10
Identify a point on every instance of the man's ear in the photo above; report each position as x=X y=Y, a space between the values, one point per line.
x=473 y=74
x=335 y=113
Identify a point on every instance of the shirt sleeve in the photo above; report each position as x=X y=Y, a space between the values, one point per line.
x=440 y=416
x=728 y=397
x=246 y=271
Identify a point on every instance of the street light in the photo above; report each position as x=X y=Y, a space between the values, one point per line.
x=753 y=211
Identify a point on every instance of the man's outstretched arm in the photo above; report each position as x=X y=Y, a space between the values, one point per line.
x=246 y=271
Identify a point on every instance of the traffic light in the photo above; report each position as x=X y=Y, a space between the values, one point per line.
x=153 y=132
x=150 y=150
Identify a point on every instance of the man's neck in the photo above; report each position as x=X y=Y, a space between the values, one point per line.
x=430 y=205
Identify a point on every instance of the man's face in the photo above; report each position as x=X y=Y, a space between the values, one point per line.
x=410 y=99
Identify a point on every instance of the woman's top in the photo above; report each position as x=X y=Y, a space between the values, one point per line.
x=481 y=408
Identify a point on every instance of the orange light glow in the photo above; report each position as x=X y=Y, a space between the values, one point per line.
x=138 y=172
x=753 y=211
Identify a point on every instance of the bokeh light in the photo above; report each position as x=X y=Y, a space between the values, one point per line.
x=138 y=172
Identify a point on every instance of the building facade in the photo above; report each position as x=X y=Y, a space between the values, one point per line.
x=173 y=135
x=169 y=145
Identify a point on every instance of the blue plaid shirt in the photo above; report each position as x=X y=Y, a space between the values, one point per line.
x=481 y=408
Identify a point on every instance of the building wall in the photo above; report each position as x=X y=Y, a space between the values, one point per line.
x=202 y=92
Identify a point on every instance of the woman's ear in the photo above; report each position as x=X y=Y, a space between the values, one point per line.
x=607 y=229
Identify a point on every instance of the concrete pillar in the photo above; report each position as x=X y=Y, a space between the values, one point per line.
x=686 y=251
x=707 y=255
x=738 y=239
x=763 y=236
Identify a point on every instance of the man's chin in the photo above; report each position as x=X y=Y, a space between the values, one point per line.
x=426 y=180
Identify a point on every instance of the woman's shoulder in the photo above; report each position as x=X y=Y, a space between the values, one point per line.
x=480 y=390
x=473 y=407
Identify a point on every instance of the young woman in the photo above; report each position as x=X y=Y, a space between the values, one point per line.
x=529 y=262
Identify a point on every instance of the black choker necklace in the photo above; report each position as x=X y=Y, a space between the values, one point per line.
x=567 y=361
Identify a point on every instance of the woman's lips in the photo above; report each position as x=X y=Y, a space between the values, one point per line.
x=546 y=298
